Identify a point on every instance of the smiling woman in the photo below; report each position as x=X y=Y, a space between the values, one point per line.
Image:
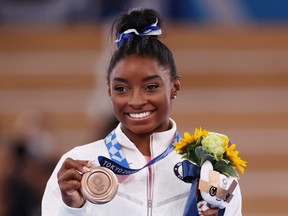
x=142 y=82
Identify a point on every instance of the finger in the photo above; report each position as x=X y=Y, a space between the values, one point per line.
x=200 y=204
x=70 y=195
x=80 y=165
x=76 y=164
x=210 y=212
x=70 y=183
x=70 y=186
x=68 y=175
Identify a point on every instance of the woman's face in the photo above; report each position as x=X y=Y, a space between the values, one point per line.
x=141 y=92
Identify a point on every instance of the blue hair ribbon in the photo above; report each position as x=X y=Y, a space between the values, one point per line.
x=152 y=29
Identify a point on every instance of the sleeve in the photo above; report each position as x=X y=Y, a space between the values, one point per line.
x=234 y=208
x=52 y=204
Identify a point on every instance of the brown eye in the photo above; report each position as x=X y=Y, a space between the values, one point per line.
x=120 y=89
x=152 y=87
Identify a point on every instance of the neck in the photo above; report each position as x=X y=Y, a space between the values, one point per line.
x=142 y=141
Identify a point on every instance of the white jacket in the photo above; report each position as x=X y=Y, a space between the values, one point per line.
x=166 y=195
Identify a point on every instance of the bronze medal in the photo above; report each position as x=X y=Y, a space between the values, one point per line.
x=99 y=186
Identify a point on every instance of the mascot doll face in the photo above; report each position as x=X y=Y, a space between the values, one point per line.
x=215 y=188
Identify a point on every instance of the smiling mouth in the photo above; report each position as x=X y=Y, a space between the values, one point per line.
x=139 y=115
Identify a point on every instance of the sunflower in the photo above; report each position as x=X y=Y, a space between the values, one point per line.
x=234 y=158
x=199 y=132
x=189 y=139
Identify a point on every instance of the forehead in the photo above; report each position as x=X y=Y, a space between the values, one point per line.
x=137 y=66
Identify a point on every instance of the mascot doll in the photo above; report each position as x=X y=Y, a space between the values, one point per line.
x=215 y=188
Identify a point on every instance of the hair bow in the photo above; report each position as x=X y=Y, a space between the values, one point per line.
x=152 y=29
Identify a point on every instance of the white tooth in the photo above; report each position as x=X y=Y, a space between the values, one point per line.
x=139 y=115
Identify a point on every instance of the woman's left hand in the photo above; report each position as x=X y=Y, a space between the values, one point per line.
x=205 y=210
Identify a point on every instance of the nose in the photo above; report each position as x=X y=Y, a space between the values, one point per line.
x=137 y=100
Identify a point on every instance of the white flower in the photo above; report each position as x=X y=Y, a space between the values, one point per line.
x=214 y=144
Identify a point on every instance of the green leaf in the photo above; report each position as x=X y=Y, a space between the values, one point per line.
x=191 y=157
x=225 y=168
x=206 y=157
x=198 y=142
x=203 y=155
x=199 y=152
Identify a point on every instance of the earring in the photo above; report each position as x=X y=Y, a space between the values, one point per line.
x=174 y=97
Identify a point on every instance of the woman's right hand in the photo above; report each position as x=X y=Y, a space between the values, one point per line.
x=69 y=180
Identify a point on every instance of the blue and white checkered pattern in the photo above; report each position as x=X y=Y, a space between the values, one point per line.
x=114 y=149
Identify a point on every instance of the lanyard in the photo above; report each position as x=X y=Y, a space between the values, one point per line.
x=118 y=163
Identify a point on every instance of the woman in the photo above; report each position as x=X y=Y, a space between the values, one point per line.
x=142 y=82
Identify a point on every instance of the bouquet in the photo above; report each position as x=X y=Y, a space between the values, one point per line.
x=214 y=147
x=218 y=161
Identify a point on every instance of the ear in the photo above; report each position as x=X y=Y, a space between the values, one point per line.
x=109 y=90
x=176 y=85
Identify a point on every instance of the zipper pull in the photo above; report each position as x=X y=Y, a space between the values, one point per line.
x=149 y=203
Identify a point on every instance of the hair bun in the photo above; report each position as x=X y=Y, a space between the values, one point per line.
x=137 y=21
x=150 y=30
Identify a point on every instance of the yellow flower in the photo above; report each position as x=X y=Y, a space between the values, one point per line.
x=199 y=132
x=235 y=159
x=189 y=139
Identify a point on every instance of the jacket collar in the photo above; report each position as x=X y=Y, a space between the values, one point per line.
x=158 y=141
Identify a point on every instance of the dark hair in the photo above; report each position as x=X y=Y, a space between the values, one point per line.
x=146 y=46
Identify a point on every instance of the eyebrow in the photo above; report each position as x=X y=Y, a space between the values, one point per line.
x=145 y=79
x=119 y=79
x=151 y=78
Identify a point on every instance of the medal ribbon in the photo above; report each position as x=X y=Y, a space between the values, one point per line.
x=118 y=163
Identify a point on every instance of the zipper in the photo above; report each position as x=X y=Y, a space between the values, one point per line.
x=150 y=191
x=150 y=183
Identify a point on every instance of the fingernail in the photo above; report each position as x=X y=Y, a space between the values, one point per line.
x=89 y=163
x=69 y=193
x=86 y=169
